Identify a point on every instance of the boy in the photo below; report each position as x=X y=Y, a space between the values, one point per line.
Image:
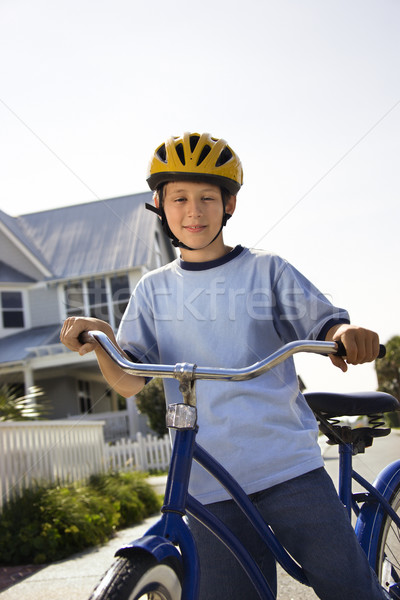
x=229 y=307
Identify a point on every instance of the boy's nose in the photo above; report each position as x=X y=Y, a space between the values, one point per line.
x=194 y=208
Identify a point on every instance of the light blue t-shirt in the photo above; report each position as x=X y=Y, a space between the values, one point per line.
x=231 y=313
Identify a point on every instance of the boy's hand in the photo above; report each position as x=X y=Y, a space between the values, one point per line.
x=362 y=345
x=74 y=326
x=125 y=384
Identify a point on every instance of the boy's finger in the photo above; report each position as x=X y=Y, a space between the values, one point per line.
x=339 y=362
x=373 y=349
x=86 y=348
x=352 y=350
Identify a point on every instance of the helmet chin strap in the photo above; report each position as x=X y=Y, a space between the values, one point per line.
x=175 y=242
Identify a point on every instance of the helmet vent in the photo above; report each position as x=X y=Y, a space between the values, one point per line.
x=162 y=154
x=193 y=142
x=224 y=157
x=180 y=152
x=205 y=152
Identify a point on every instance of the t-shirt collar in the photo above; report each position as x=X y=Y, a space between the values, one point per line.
x=210 y=264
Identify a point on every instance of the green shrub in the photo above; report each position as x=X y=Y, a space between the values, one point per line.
x=136 y=498
x=50 y=523
x=151 y=402
x=145 y=492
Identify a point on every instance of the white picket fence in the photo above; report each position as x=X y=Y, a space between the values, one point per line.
x=47 y=451
x=145 y=454
x=67 y=451
x=116 y=423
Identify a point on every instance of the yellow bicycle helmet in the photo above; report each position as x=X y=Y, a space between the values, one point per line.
x=196 y=156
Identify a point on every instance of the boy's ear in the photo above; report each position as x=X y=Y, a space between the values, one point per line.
x=156 y=207
x=230 y=205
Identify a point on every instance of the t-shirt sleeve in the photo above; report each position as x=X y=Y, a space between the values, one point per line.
x=137 y=331
x=301 y=310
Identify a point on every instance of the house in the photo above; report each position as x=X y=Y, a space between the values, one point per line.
x=79 y=260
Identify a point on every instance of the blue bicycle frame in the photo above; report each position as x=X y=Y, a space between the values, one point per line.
x=178 y=502
x=375 y=501
x=171 y=532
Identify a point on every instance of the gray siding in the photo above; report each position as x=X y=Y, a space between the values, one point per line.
x=44 y=306
x=101 y=398
x=61 y=392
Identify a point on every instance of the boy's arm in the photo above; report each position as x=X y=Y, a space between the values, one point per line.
x=362 y=345
x=123 y=383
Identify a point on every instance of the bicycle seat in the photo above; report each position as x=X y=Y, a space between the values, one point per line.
x=334 y=404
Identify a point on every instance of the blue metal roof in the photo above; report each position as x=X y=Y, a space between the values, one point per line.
x=15 y=348
x=15 y=226
x=86 y=239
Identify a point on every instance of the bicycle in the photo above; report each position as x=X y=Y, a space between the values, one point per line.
x=163 y=564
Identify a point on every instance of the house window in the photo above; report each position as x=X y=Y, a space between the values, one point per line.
x=74 y=299
x=12 y=310
x=103 y=297
x=120 y=295
x=84 y=397
x=97 y=298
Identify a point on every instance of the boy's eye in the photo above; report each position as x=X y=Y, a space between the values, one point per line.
x=181 y=199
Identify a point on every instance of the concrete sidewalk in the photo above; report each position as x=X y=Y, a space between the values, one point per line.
x=76 y=577
x=73 y=578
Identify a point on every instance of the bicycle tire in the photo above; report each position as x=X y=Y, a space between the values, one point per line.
x=387 y=565
x=140 y=578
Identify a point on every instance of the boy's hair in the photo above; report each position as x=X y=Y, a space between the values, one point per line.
x=196 y=157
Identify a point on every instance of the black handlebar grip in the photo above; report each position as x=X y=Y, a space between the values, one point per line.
x=341 y=350
x=84 y=337
x=382 y=351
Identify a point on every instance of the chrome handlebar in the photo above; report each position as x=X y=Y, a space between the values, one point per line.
x=185 y=372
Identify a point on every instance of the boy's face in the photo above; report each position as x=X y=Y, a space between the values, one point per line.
x=194 y=211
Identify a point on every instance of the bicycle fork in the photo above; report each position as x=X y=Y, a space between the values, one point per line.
x=171 y=526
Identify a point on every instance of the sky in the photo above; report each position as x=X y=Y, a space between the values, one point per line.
x=307 y=92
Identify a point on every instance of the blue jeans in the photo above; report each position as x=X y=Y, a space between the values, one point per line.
x=311 y=522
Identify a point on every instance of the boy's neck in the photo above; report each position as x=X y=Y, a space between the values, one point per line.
x=212 y=252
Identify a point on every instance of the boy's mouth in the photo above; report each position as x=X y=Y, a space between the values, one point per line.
x=194 y=228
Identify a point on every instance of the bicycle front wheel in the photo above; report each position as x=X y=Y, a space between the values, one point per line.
x=388 y=557
x=140 y=578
